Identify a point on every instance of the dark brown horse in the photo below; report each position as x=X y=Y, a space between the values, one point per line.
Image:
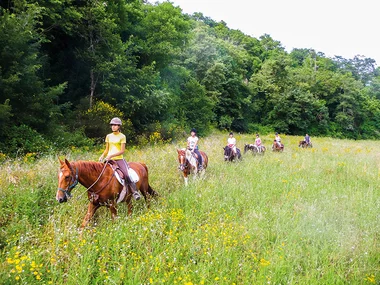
x=229 y=154
x=188 y=163
x=304 y=144
x=103 y=188
x=276 y=147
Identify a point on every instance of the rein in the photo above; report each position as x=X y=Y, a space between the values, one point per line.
x=100 y=175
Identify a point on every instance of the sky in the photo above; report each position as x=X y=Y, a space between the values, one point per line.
x=335 y=27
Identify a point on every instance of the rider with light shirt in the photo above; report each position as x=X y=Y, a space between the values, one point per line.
x=115 y=147
x=231 y=142
x=277 y=139
x=192 y=145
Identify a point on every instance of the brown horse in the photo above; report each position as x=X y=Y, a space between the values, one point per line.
x=276 y=147
x=304 y=144
x=103 y=187
x=188 y=163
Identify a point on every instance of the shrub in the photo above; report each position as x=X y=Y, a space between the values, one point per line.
x=262 y=130
x=96 y=121
x=25 y=140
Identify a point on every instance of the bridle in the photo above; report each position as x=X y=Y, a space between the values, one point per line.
x=72 y=185
x=183 y=166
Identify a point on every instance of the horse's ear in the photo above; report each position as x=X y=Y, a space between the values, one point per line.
x=60 y=161
x=67 y=163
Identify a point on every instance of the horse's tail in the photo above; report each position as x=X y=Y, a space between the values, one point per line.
x=245 y=148
x=150 y=189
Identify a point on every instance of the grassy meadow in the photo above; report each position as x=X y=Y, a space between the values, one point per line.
x=304 y=216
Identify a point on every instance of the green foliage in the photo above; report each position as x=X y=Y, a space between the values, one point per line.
x=197 y=106
x=261 y=130
x=23 y=139
x=160 y=67
x=95 y=120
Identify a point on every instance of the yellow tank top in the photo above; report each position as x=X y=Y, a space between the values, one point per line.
x=114 y=144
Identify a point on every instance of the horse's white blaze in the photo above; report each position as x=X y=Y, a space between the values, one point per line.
x=60 y=174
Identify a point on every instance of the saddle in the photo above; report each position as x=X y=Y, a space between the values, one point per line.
x=117 y=170
x=132 y=175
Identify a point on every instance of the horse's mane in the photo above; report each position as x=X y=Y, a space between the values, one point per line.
x=89 y=166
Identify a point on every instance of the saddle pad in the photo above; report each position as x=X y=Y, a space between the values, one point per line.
x=133 y=175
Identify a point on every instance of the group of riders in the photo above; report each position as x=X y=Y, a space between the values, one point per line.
x=116 y=141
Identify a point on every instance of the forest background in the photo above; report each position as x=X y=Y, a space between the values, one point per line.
x=67 y=67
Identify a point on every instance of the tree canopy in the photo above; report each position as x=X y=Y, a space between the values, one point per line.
x=67 y=67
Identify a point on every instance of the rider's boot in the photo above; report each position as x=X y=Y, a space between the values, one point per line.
x=136 y=195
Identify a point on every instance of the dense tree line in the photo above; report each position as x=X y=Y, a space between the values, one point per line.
x=68 y=66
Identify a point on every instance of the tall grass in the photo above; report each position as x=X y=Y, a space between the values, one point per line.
x=304 y=216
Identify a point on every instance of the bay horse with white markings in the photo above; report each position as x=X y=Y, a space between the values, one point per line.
x=103 y=187
x=276 y=147
x=188 y=163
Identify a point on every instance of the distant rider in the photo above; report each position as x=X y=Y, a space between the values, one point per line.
x=307 y=139
x=258 y=142
x=231 y=142
x=192 y=145
x=277 y=139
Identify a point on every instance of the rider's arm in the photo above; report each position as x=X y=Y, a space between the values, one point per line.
x=117 y=153
x=195 y=145
x=105 y=152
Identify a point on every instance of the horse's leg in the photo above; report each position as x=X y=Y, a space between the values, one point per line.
x=185 y=176
x=113 y=211
x=90 y=212
x=144 y=189
x=130 y=206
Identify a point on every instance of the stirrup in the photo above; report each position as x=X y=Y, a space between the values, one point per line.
x=136 y=196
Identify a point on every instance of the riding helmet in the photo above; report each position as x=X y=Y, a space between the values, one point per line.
x=231 y=133
x=116 y=121
x=193 y=130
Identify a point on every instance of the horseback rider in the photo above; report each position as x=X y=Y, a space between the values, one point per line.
x=277 y=139
x=307 y=139
x=231 y=142
x=115 y=148
x=192 y=145
x=258 y=142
